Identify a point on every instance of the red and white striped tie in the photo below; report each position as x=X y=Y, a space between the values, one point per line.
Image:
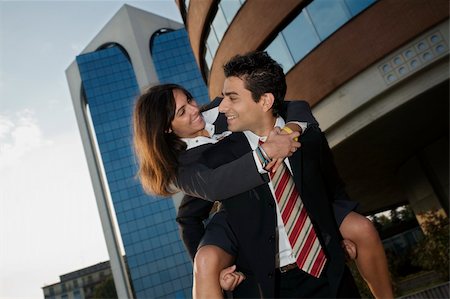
x=306 y=248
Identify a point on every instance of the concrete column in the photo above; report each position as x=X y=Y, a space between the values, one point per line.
x=425 y=180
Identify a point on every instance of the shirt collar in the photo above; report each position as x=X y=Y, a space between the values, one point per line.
x=210 y=117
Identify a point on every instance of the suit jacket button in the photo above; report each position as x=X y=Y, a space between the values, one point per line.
x=271 y=204
x=270 y=275
x=271 y=238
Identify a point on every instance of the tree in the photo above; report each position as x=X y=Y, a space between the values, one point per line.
x=406 y=213
x=106 y=289
x=394 y=216
x=432 y=252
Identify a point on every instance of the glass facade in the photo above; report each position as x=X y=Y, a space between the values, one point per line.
x=226 y=11
x=158 y=264
x=175 y=63
x=316 y=22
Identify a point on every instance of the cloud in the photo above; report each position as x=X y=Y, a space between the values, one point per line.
x=19 y=135
x=5 y=126
x=49 y=218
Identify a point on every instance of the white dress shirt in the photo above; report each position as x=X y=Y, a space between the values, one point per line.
x=285 y=255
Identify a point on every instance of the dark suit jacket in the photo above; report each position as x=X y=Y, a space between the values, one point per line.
x=200 y=181
x=252 y=214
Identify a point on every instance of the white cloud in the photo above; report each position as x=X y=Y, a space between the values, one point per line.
x=19 y=135
x=49 y=219
x=5 y=126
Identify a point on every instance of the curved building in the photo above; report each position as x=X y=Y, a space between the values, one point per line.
x=375 y=73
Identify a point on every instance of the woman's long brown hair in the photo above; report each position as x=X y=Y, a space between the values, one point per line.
x=156 y=146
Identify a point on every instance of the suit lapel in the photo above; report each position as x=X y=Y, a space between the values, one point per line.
x=220 y=125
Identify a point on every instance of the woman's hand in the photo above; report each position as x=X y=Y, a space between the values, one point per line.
x=230 y=279
x=279 y=145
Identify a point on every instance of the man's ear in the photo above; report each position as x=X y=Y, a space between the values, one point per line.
x=267 y=100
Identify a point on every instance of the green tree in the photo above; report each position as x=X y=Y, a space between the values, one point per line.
x=384 y=220
x=394 y=216
x=432 y=252
x=406 y=213
x=106 y=289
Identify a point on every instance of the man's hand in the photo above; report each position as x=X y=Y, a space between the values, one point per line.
x=280 y=145
x=230 y=279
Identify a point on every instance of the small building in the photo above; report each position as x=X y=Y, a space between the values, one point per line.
x=79 y=284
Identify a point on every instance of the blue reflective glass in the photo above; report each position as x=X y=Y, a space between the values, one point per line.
x=175 y=63
x=327 y=16
x=356 y=6
x=314 y=24
x=279 y=51
x=111 y=88
x=300 y=37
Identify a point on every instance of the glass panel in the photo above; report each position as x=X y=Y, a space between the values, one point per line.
x=327 y=16
x=300 y=37
x=208 y=58
x=230 y=8
x=212 y=42
x=356 y=6
x=279 y=51
x=220 y=25
x=76 y=294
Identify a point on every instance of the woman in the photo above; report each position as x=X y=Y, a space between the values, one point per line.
x=167 y=122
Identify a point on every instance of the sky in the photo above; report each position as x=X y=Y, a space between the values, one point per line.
x=49 y=223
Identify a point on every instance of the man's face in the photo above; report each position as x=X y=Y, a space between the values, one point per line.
x=242 y=112
x=188 y=122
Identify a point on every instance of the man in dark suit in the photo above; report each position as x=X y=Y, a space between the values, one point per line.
x=253 y=92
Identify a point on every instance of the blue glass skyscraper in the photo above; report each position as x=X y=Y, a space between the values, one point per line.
x=175 y=63
x=105 y=80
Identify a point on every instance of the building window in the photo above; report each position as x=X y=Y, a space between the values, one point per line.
x=226 y=11
x=316 y=22
x=77 y=294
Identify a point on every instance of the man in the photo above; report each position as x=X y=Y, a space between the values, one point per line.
x=253 y=92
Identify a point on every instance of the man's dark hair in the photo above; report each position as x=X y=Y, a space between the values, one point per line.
x=261 y=74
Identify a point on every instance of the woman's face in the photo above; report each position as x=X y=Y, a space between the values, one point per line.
x=188 y=121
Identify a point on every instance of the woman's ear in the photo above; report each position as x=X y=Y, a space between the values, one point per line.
x=267 y=101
